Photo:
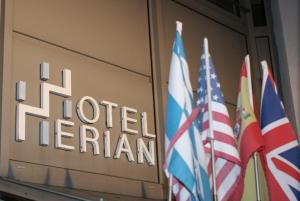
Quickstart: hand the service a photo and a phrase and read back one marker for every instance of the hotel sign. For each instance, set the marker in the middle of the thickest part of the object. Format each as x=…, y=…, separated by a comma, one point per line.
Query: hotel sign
x=89, y=135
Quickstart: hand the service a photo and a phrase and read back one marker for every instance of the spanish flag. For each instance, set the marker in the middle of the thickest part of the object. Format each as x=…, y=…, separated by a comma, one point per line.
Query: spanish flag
x=247, y=128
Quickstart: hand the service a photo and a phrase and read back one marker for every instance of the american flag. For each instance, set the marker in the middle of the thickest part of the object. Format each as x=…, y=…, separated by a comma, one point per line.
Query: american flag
x=227, y=160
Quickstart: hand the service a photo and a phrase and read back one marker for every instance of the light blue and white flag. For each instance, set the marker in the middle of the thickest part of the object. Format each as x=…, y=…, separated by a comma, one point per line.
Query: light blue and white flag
x=185, y=158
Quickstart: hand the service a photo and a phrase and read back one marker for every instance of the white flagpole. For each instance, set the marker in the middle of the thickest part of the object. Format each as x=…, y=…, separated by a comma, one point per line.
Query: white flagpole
x=250, y=95
x=179, y=29
x=210, y=119
x=170, y=188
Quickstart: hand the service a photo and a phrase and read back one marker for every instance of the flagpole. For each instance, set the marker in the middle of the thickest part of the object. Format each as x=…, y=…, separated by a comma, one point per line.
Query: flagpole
x=210, y=120
x=249, y=90
x=170, y=188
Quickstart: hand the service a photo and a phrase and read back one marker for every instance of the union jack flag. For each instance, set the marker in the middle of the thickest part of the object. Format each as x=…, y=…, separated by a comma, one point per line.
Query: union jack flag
x=227, y=163
x=282, y=152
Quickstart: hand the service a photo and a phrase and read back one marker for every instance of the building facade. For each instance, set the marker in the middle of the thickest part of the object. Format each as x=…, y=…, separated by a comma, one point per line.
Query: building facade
x=84, y=86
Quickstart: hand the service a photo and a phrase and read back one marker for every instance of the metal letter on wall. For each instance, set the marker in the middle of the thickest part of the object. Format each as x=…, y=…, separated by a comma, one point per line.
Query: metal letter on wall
x=124, y=146
x=46, y=89
x=125, y=119
x=95, y=107
x=93, y=140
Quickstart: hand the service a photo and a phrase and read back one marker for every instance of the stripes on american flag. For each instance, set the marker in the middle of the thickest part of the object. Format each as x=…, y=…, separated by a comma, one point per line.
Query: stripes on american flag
x=227, y=160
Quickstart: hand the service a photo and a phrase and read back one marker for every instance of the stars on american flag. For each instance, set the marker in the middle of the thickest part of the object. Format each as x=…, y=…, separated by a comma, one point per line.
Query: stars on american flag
x=215, y=97
x=216, y=93
x=213, y=76
x=200, y=89
x=200, y=101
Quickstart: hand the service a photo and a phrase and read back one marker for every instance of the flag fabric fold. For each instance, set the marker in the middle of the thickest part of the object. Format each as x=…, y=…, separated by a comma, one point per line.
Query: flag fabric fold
x=184, y=160
x=282, y=153
x=247, y=130
x=227, y=160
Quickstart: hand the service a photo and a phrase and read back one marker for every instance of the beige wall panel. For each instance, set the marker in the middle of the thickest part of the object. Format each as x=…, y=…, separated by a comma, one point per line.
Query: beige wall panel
x=54, y=176
x=89, y=78
x=113, y=31
x=227, y=46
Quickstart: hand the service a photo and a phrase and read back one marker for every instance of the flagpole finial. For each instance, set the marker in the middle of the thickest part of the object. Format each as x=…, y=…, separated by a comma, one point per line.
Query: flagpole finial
x=205, y=46
x=247, y=60
x=264, y=65
x=205, y=40
x=247, y=56
x=179, y=27
x=249, y=80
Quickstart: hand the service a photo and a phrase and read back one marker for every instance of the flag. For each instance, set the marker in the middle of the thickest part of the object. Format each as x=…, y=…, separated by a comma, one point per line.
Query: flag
x=227, y=160
x=184, y=157
x=247, y=129
x=282, y=152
